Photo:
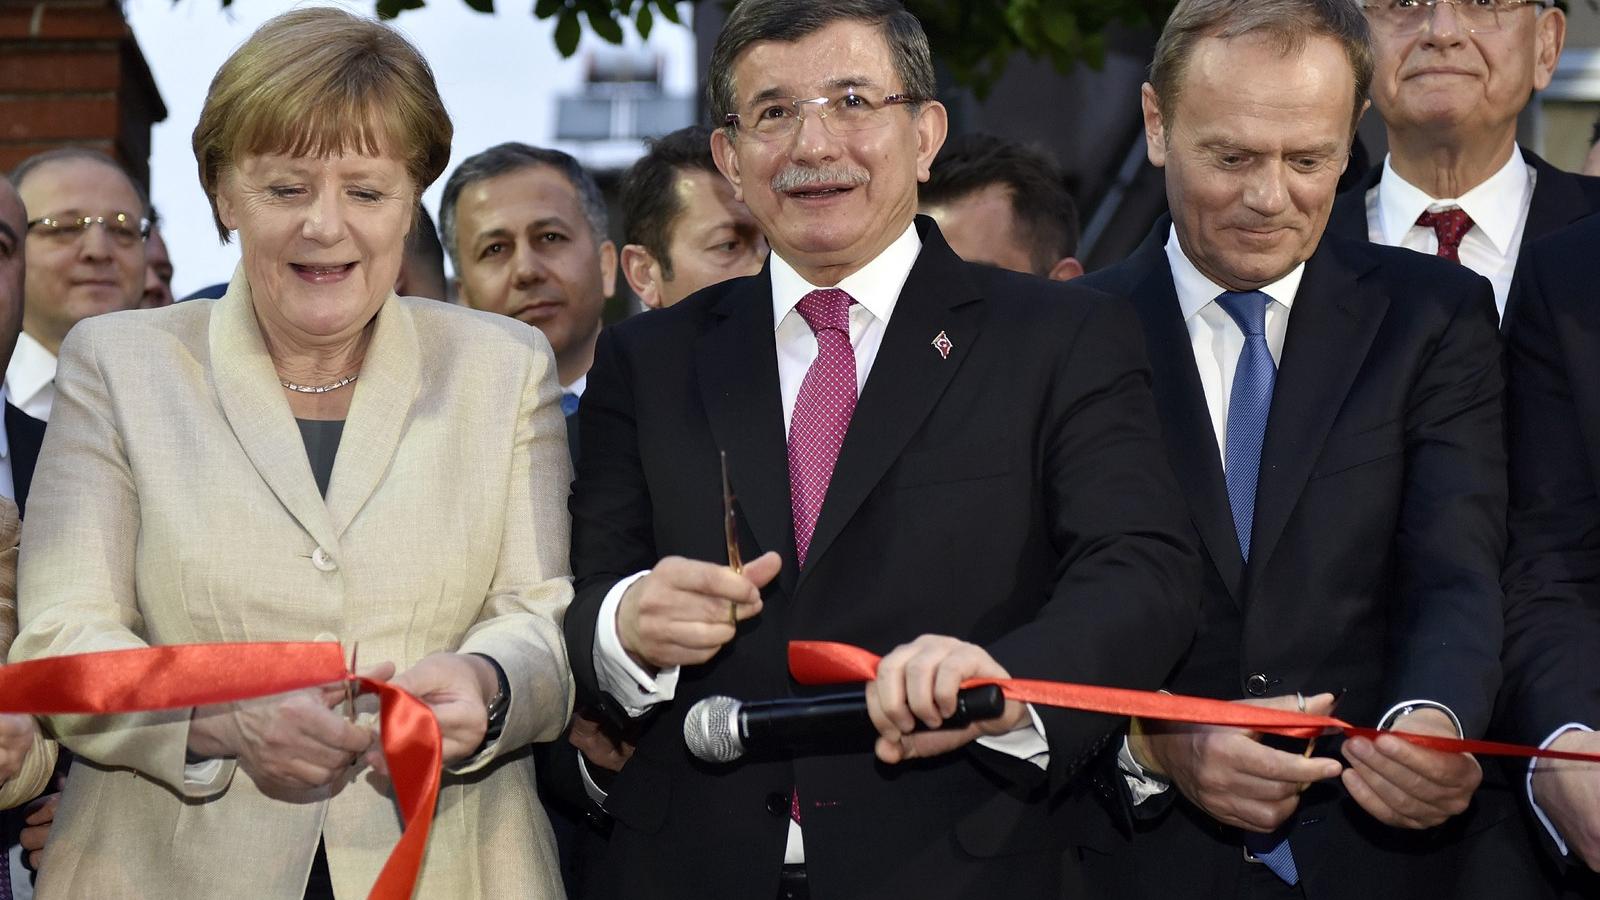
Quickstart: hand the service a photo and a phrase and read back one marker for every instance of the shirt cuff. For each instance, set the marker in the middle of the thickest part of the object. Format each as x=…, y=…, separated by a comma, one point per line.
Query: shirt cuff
x=618, y=675
x=595, y=792
x=1026, y=741
x=1544, y=820
x=1141, y=784
x=1408, y=706
x=206, y=771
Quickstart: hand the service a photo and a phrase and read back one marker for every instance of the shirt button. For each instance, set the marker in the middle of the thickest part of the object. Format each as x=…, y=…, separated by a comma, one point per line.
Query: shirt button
x=778, y=804
x=323, y=562
x=1256, y=685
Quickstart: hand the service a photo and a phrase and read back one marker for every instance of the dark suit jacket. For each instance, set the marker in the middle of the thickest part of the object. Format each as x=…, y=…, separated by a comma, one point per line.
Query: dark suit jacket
x=1552, y=578
x=24, y=434
x=1559, y=199
x=1013, y=494
x=1376, y=546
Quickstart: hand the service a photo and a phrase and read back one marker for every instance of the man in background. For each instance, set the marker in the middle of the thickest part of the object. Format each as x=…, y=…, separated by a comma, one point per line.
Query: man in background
x=157, y=269
x=682, y=228
x=422, y=266
x=1004, y=204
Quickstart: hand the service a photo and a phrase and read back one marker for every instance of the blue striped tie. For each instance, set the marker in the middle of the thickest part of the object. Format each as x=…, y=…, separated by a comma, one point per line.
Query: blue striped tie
x=1248, y=406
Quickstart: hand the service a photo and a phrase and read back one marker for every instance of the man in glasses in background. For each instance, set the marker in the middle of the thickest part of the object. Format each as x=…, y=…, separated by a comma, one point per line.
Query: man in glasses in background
x=86, y=256
x=1452, y=77
x=952, y=465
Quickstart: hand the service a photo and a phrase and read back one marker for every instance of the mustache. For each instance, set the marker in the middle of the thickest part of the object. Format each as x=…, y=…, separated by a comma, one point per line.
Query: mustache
x=795, y=178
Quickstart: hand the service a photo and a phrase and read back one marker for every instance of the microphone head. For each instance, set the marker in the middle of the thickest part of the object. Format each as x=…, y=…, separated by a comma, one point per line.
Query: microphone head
x=711, y=730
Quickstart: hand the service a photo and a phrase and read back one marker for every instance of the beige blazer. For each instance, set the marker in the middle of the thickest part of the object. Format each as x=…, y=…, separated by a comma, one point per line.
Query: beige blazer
x=174, y=504
x=31, y=779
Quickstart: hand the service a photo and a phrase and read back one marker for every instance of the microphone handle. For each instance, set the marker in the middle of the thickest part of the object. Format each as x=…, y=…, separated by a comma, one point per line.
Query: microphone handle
x=839, y=721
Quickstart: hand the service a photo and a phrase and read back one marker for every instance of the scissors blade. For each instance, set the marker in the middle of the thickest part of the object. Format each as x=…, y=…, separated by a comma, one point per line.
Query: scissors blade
x=730, y=522
x=350, y=685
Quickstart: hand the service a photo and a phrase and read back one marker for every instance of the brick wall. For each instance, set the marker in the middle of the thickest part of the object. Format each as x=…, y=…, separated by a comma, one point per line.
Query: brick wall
x=71, y=73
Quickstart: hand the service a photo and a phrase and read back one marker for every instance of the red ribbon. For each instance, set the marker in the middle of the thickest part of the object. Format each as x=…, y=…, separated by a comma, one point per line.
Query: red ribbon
x=826, y=662
x=176, y=677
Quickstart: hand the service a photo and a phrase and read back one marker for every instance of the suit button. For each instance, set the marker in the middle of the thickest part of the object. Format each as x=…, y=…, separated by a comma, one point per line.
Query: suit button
x=778, y=805
x=323, y=561
x=1256, y=685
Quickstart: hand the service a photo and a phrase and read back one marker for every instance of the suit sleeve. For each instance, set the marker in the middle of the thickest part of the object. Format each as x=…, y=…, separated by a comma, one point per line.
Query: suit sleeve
x=1450, y=537
x=76, y=582
x=1552, y=575
x=1125, y=604
x=520, y=624
x=611, y=512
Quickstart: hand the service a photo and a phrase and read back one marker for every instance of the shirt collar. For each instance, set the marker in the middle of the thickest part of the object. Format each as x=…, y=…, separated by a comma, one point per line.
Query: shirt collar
x=577, y=386
x=1400, y=202
x=32, y=369
x=876, y=286
x=1196, y=290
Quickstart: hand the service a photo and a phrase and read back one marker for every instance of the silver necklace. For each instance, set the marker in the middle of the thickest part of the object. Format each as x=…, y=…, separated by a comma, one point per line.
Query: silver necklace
x=319, y=388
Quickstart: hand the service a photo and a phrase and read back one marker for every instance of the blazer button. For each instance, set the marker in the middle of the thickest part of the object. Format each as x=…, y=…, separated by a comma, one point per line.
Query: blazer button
x=1256, y=685
x=778, y=805
x=323, y=562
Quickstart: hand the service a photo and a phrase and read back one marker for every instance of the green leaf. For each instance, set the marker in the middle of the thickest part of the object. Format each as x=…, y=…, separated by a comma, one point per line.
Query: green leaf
x=606, y=26
x=544, y=9
x=669, y=11
x=568, y=31
x=483, y=6
x=645, y=20
x=388, y=9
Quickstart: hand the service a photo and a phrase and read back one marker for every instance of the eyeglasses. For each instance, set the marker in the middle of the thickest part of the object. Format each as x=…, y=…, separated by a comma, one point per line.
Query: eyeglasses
x=776, y=118
x=1407, y=17
x=122, y=228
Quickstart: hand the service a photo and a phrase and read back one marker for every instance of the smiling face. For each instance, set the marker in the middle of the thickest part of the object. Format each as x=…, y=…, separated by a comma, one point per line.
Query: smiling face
x=1253, y=154
x=321, y=239
x=829, y=203
x=1446, y=80
x=71, y=278
x=526, y=251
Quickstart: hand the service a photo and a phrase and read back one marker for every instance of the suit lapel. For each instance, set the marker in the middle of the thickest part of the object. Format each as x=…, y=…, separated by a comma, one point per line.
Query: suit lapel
x=378, y=413
x=737, y=365
x=1349, y=216
x=1331, y=327
x=906, y=381
x=1185, y=416
x=1558, y=200
x=247, y=387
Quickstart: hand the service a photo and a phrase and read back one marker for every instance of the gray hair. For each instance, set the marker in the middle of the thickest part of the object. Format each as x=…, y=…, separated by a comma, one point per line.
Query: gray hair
x=1289, y=23
x=512, y=156
x=84, y=154
x=754, y=21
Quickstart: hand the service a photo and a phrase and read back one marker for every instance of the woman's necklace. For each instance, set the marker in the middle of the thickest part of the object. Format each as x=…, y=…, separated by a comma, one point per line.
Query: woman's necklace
x=319, y=388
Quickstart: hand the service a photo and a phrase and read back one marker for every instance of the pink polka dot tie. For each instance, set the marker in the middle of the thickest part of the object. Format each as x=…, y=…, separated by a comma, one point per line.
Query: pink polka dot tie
x=821, y=411
x=1450, y=226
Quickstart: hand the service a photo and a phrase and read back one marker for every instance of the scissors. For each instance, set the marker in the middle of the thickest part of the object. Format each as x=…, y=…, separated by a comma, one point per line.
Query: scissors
x=730, y=533
x=351, y=685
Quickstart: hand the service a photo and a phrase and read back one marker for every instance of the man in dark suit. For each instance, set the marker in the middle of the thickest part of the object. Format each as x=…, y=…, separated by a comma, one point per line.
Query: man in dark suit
x=1333, y=412
x=1450, y=83
x=953, y=466
x=1552, y=578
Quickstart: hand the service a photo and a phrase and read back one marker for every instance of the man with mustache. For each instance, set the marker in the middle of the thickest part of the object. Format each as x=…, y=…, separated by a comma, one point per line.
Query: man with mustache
x=526, y=231
x=1450, y=81
x=1333, y=410
x=889, y=494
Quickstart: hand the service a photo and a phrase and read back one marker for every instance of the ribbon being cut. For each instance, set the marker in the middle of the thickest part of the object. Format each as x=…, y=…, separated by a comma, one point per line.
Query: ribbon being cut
x=177, y=676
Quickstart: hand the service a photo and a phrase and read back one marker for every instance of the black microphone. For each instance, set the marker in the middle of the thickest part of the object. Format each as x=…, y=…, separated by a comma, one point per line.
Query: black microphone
x=722, y=729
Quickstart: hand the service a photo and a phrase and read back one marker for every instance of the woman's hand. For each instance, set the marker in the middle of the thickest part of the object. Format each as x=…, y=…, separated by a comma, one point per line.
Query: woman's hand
x=457, y=687
x=293, y=746
x=16, y=739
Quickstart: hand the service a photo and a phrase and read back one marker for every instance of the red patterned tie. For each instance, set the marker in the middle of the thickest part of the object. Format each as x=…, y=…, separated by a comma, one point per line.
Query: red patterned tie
x=821, y=411
x=1450, y=226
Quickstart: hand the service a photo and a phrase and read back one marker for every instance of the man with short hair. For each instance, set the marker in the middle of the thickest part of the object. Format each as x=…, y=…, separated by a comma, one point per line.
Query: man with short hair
x=1004, y=204
x=1333, y=410
x=422, y=266
x=526, y=230
x=86, y=256
x=681, y=226
x=157, y=269
x=1450, y=81
x=884, y=497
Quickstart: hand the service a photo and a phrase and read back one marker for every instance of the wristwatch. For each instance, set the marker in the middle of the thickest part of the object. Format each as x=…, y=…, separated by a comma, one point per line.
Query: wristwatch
x=498, y=705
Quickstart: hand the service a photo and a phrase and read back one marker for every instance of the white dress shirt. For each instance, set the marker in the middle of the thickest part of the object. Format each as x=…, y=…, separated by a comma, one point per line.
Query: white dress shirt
x=31, y=378
x=1217, y=341
x=1499, y=211
x=876, y=290
x=8, y=484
